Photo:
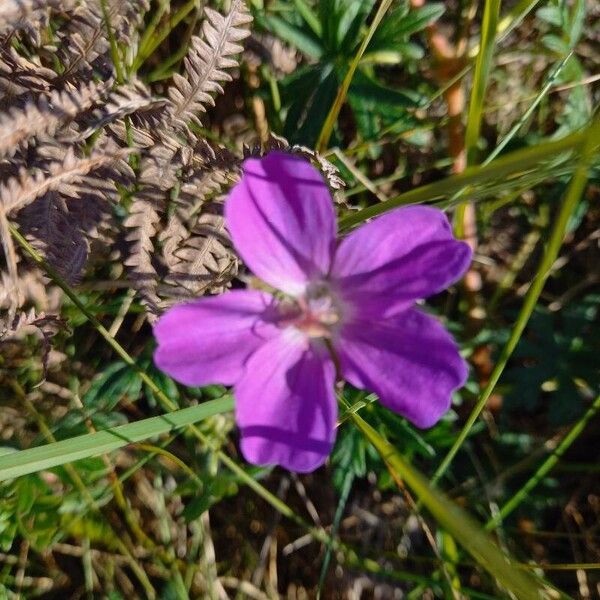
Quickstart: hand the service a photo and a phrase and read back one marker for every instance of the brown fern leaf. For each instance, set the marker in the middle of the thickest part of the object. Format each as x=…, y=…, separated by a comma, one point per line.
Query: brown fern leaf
x=32, y=289
x=61, y=176
x=45, y=116
x=26, y=322
x=19, y=75
x=207, y=61
x=329, y=171
x=50, y=227
x=11, y=263
x=200, y=154
x=142, y=221
x=205, y=260
x=202, y=185
x=20, y=14
x=139, y=138
x=131, y=99
x=85, y=39
x=157, y=177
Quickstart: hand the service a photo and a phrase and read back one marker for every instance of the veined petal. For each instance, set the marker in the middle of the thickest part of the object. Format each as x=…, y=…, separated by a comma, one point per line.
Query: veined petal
x=402, y=256
x=209, y=340
x=281, y=220
x=285, y=404
x=410, y=361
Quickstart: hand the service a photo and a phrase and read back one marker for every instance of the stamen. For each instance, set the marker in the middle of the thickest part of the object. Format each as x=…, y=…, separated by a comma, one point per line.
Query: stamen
x=319, y=311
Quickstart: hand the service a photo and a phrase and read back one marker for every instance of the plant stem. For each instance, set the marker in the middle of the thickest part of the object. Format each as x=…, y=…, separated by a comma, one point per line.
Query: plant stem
x=574, y=192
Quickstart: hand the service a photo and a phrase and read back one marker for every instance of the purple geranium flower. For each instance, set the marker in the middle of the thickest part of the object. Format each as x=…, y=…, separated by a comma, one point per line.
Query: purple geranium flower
x=349, y=304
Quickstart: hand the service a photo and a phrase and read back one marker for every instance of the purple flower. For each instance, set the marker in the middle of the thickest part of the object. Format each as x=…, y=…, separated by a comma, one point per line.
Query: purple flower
x=349, y=303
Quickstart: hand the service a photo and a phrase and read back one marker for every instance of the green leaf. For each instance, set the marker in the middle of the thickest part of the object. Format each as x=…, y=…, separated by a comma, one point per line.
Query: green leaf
x=577, y=21
x=116, y=382
x=401, y=24
x=370, y=90
x=556, y=44
x=91, y=444
x=309, y=16
x=300, y=38
x=306, y=117
x=551, y=15
x=350, y=24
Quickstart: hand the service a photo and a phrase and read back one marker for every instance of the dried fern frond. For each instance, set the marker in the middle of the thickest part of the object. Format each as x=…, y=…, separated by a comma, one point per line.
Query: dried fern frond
x=204, y=259
x=27, y=322
x=85, y=39
x=20, y=14
x=19, y=192
x=19, y=75
x=157, y=176
x=11, y=263
x=45, y=116
x=52, y=230
x=31, y=289
x=142, y=221
x=327, y=168
x=131, y=99
x=207, y=61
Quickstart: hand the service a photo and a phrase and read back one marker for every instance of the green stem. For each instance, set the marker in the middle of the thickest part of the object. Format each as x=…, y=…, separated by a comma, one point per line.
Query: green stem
x=574, y=192
x=156, y=39
x=480, y=78
x=455, y=520
x=114, y=49
x=504, y=167
x=545, y=467
x=332, y=116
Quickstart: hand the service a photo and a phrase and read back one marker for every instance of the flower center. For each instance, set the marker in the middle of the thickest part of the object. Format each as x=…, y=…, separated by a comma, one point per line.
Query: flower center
x=319, y=311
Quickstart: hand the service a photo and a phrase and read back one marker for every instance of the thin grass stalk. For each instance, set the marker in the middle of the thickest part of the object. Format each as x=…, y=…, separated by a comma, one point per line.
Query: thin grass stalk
x=545, y=467
x=483, y=66
x=454, y=520
x=159, y=37
x=508, y=165
x=163, y=6
x=465, y=213
x=574, y=192
x=114, y=48
x=80, y=485
x=540, y=96
x=332, y=116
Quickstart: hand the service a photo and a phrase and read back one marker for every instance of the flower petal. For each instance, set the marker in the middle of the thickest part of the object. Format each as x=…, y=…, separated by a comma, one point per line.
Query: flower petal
x=402, y=256
x=285, y=405
x=209, y=340
x=281, y=220
x=410, y=361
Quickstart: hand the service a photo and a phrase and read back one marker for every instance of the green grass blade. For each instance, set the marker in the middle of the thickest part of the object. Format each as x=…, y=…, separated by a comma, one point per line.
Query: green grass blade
x=36, y=459
x=541, y=95
x=454, y=520
x=506, y=167
x=309, y=16
x=546, y=466
x=574, y=192
x=332, y=116
x=483, y=66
